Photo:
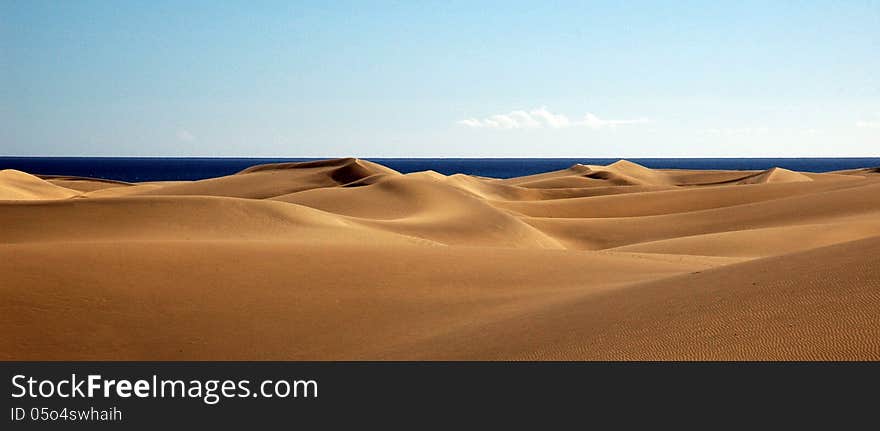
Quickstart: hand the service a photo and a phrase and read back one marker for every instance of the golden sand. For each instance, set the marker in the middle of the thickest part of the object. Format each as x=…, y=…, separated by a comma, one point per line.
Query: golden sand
x=349, y=260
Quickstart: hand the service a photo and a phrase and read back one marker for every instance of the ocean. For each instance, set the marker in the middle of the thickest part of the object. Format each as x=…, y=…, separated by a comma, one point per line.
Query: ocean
x=135, y=169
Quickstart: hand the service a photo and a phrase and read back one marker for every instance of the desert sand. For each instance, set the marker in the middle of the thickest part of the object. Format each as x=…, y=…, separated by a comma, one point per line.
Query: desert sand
x=349, y=260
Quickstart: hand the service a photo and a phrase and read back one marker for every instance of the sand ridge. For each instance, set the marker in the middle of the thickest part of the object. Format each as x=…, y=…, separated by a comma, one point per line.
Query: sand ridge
x=17, y=185
x=348, y=259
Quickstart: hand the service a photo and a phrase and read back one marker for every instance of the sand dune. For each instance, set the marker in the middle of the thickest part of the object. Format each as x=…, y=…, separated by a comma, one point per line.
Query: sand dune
x=775, y=175
x=744, y=311
x=347, y=259
x=426, y=207
x=17, y=185
x=267, y=181
x=621, y=173
x=182, y=217
x=642, y=203
x=82, y=184
x=863, y=171
x=762, y=242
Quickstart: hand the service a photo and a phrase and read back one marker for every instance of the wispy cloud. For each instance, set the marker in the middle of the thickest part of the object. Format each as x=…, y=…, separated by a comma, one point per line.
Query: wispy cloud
x=542, y=118
x=185, y=136
x=873, y=123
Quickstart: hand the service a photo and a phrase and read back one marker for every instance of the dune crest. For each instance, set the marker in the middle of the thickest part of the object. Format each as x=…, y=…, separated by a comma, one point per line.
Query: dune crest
x=775, y=175
x=347, y=259
x=277, y=179
x=17, y=185
x=343, y=170
x=635, y=173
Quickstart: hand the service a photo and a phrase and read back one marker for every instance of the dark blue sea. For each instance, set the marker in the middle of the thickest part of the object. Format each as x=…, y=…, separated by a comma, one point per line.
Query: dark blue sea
x=136, y=169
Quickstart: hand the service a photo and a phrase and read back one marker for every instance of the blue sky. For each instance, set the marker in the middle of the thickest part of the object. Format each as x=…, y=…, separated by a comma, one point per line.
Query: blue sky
x=440, y=79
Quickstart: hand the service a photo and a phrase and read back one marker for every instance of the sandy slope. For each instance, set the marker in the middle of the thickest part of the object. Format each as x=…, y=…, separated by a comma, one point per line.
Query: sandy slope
x=17, y=185
x=815, y=305
x=347, y=259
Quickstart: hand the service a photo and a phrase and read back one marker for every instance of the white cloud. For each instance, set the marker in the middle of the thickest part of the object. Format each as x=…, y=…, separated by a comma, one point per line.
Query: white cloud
x=185, y=136
x=541, y=118
x=872, y=124
x=471, y=123
x=525, y=119
x=552, y=120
